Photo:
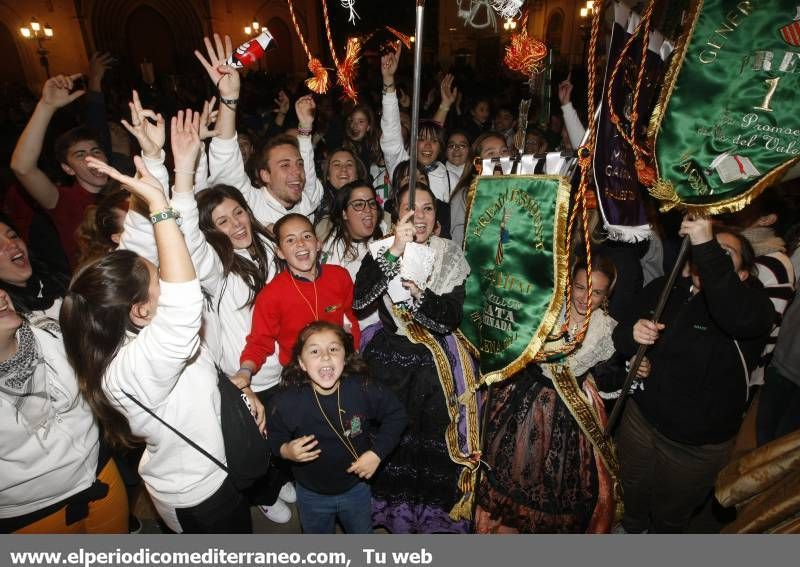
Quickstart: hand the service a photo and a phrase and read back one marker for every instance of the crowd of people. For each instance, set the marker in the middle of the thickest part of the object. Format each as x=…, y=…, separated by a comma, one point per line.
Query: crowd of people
x=217, y=244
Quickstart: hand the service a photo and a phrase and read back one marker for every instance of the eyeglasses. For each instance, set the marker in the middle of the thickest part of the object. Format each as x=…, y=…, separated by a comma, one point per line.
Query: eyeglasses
x=456, y=146
x=361, y=204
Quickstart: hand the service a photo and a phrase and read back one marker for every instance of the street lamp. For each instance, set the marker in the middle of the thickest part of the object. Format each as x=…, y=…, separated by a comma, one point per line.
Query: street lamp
x=252, y=29
x=35, y=31
x=509, y=25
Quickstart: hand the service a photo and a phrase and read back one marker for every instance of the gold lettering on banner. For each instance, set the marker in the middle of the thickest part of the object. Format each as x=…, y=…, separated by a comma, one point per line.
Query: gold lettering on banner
x=693, y=175
x=717, y=40
x=772, y=86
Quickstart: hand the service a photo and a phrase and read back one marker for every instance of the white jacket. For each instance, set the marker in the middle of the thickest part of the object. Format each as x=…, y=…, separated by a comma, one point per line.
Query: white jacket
x=165, y=368
x=443, y=182
x=225, y=166
x=60, y=458
x=227, y=321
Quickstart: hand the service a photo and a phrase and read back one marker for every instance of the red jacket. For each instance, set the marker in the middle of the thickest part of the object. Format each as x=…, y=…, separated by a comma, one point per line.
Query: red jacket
x=287, y=304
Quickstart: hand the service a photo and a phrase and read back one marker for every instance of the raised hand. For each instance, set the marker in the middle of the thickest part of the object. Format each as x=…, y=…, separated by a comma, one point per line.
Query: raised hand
x=207, y=118
x=389, y=63
x=565, y=90
x=403, y=234
x=225, y=77
x=448, y=91
x=56, y=90
x=145, y=186
x=185, y=140
x=147, y=127
x=305, y=107
x=99, y=63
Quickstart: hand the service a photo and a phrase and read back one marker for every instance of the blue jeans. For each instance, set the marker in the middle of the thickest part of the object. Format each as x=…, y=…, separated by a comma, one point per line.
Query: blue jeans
x=318, y=512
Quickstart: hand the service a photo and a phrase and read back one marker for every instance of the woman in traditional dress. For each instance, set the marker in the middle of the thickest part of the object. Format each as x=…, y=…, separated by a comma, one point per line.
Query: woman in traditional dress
x=549, y=467
x=425, y=484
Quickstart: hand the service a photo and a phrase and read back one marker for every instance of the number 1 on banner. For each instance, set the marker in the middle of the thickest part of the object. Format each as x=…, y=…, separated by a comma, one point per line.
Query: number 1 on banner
x=773, y=86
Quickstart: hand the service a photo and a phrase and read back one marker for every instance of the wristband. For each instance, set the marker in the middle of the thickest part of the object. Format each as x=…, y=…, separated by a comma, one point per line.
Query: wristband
x=387, y=87
x=250, y=372
x=183, y=171
x=304, y=131
x=228, y=101
x=443, y=107
x=391, y=257
x=166, y=214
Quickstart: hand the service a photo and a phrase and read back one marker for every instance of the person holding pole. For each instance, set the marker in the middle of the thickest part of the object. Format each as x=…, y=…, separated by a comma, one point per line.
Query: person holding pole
x=676, y=432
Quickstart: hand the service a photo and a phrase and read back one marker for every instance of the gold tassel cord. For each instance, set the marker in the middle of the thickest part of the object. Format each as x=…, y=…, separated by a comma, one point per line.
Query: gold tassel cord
x=320, y=82
x=645, y=172
x=585, y=158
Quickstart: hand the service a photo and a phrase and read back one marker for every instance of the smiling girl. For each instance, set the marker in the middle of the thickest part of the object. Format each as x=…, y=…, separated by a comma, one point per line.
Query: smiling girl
x=305, y=291
x=323, y=421
x=417, y=356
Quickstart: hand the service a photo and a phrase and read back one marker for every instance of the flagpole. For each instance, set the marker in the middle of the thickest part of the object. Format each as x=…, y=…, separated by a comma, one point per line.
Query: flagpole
x=637, y=360
x=412, y=146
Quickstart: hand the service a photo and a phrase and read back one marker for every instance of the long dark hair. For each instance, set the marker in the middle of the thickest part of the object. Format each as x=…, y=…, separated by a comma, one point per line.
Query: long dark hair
x=95, y=316
x=339, y=232
x=254, y=272
x=368, y=149
x=354, y=365
x=42, y=289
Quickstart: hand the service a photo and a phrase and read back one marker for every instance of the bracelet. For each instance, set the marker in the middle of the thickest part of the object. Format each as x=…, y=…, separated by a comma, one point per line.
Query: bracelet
x=184, y=171
x=166, y=214
x=390, y=257
x=229, y=101
x=304, y=131
x=443, y=107
x=387, y=87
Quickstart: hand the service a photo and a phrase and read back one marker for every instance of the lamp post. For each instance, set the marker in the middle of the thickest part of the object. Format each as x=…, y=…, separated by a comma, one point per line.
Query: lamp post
x=35, y=31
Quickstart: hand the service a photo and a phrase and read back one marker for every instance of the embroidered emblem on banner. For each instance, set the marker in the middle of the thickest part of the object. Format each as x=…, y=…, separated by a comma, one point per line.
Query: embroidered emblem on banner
x=791, y=32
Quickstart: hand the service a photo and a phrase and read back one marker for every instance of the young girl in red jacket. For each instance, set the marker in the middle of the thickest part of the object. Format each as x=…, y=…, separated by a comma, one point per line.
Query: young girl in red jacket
x=303, y=292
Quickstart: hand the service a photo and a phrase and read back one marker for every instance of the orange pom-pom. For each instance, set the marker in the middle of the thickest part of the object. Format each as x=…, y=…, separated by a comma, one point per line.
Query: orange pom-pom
x=525, y=54
x=346, y=72
x=320, y=82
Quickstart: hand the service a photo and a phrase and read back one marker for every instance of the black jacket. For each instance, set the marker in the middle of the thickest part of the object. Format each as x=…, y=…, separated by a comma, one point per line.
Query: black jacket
x=372, y=415
x=697, y=389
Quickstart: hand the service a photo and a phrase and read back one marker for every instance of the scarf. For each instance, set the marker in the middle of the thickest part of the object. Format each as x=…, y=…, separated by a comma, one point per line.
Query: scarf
x=764, y=240
x=23, y=381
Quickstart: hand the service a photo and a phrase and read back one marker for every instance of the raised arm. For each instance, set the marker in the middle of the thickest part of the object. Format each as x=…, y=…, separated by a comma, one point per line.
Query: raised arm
x=24, y=161
x=149, y=129
x=225, y=163
x=186, y=144
x=394, y=150
x=305, y=108
x=449, y=95
x=96, y=115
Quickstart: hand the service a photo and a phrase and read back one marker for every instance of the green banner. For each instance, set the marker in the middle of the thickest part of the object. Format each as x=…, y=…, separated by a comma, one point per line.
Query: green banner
x=515, y=243
x=727, y=125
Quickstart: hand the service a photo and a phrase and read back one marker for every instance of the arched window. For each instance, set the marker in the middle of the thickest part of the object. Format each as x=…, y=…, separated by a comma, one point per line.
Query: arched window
x=555, y=31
